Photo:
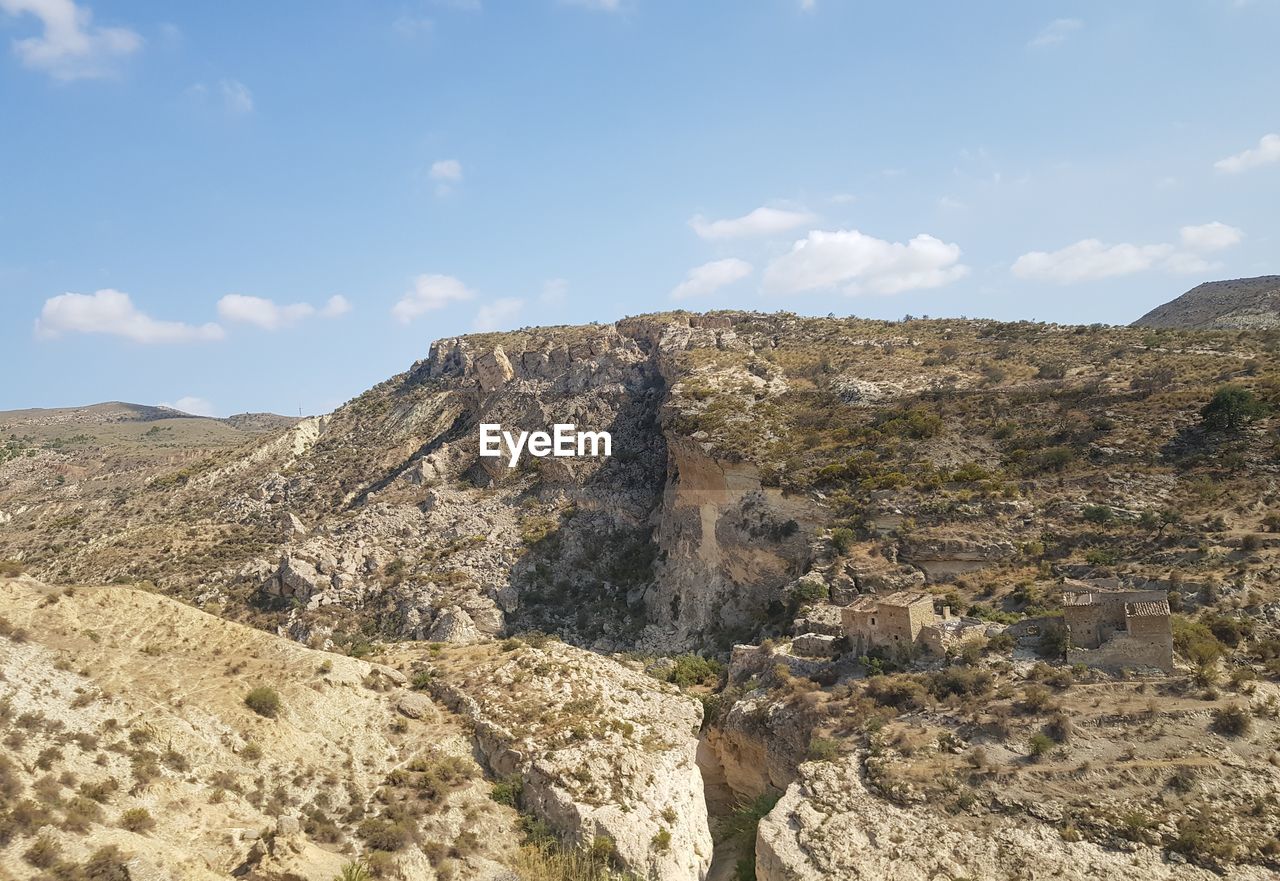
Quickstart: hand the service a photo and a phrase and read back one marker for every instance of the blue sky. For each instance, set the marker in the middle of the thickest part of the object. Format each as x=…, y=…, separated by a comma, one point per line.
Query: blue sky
x=272, y=206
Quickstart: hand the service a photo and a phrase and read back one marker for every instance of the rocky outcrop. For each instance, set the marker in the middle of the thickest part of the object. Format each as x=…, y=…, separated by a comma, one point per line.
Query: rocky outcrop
x=945, y=556
x=828, y=825
x=603, y=753
x=731, y=546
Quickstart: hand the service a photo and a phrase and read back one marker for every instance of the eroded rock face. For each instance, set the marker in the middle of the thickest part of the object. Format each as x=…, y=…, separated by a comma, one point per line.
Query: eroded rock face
x=493, y=370
x=602, y=751
x=731, y=547
x=942, y=556
x=828, y=825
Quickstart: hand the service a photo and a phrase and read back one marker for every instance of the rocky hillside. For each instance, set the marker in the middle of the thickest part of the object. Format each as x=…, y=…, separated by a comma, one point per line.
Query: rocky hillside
x=145, y=737
x=1237, y=304
x=766, y=471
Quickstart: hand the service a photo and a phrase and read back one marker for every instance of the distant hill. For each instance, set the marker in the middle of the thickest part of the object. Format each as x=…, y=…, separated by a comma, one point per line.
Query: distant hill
x=261, y=422
x=118, y=413
x=1237, y=304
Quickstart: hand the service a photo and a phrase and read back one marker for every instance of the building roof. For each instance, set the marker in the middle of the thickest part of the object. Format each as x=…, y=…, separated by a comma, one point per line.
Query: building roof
x=1150, y=609
x=1115, y=598
x=869, y=602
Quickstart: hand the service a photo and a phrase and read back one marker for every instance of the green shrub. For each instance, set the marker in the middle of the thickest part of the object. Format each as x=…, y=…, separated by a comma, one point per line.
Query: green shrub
x=264, y=701
x=901, y=692
x=383, y=834
x=692, y=669
x=507, y=791
x=1039, y=745
x=353, y=872
x=1099, y=514
x=661, y=841
x=960, y=681
x=1231, y=408
x=823, y=749
x=1232, y=721
x=807, y=592
x=137, y=820
x=1195, y=641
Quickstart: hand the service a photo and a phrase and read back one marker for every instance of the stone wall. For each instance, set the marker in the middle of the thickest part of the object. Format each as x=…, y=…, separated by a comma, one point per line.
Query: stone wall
x=1126, y=652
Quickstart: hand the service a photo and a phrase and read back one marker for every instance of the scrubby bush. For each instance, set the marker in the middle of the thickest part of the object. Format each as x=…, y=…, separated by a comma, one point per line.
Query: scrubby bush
x=137, y=820
x=823, y=749
x=842, y=539
x=1232, y=721
x=43, y=853
x=1231, y=408
x=508, y=790
x=693, y=669
x=264, y=701
x=1039, y=745
x=382, y=834
x=961, y=681
x=353, y=872
x=901, y=692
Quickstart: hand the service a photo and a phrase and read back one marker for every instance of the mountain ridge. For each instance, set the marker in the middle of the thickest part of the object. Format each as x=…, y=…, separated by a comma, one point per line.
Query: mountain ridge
x=1231, y=304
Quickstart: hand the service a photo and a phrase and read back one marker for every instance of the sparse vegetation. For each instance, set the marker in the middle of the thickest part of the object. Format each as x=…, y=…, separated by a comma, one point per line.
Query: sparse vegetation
x=264, y=701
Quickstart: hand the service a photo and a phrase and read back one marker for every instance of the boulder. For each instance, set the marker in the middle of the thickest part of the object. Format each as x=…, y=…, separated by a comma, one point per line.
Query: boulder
x=493, y=370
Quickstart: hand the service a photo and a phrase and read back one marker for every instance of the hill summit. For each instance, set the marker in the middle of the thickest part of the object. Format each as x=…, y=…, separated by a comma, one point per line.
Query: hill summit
x=1235, y=304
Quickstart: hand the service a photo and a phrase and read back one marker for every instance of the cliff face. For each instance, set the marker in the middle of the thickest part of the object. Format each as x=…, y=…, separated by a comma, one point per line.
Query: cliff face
x=384, y=514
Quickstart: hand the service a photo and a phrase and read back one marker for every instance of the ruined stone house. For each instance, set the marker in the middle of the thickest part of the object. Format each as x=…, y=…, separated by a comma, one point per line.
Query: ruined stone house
x=904, y=621
x=1118, y=629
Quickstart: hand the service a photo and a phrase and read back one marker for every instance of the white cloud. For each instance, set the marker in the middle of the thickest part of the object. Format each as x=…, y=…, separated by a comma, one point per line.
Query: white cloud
x=1089, y=260
x=1267, y=152
x=447, y=170
x=335, y=306
x=498, y=315
x=261, y=312
x=112, y=312
x=430, y=292
x=236, y=96
x=1056, y=31
x=860, y=263
x=270, y=315
x=760, y=222
x=597, y=5
x=1210, y=236
x=232, y=95
x=71, y=47
x=194, y=406
x=1093, y=260
x=413, y=26
x=710, y=277
x=808, y=5
x=555, y=291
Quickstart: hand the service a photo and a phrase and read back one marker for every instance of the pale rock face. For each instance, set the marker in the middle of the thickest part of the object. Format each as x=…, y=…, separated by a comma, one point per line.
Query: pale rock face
x=630, y=773
x=300, y=579
x=828, y=825
x=493, y=370
x=731, y=545
x=453, y=625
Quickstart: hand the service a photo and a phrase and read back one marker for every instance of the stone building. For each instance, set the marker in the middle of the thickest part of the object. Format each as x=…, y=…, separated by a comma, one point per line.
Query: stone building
x=902, y=622
x=1118, y=629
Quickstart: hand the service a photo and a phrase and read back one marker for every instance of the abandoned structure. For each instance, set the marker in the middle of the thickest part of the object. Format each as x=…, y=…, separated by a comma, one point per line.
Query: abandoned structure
x=1118, y=629
x=904, y=621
